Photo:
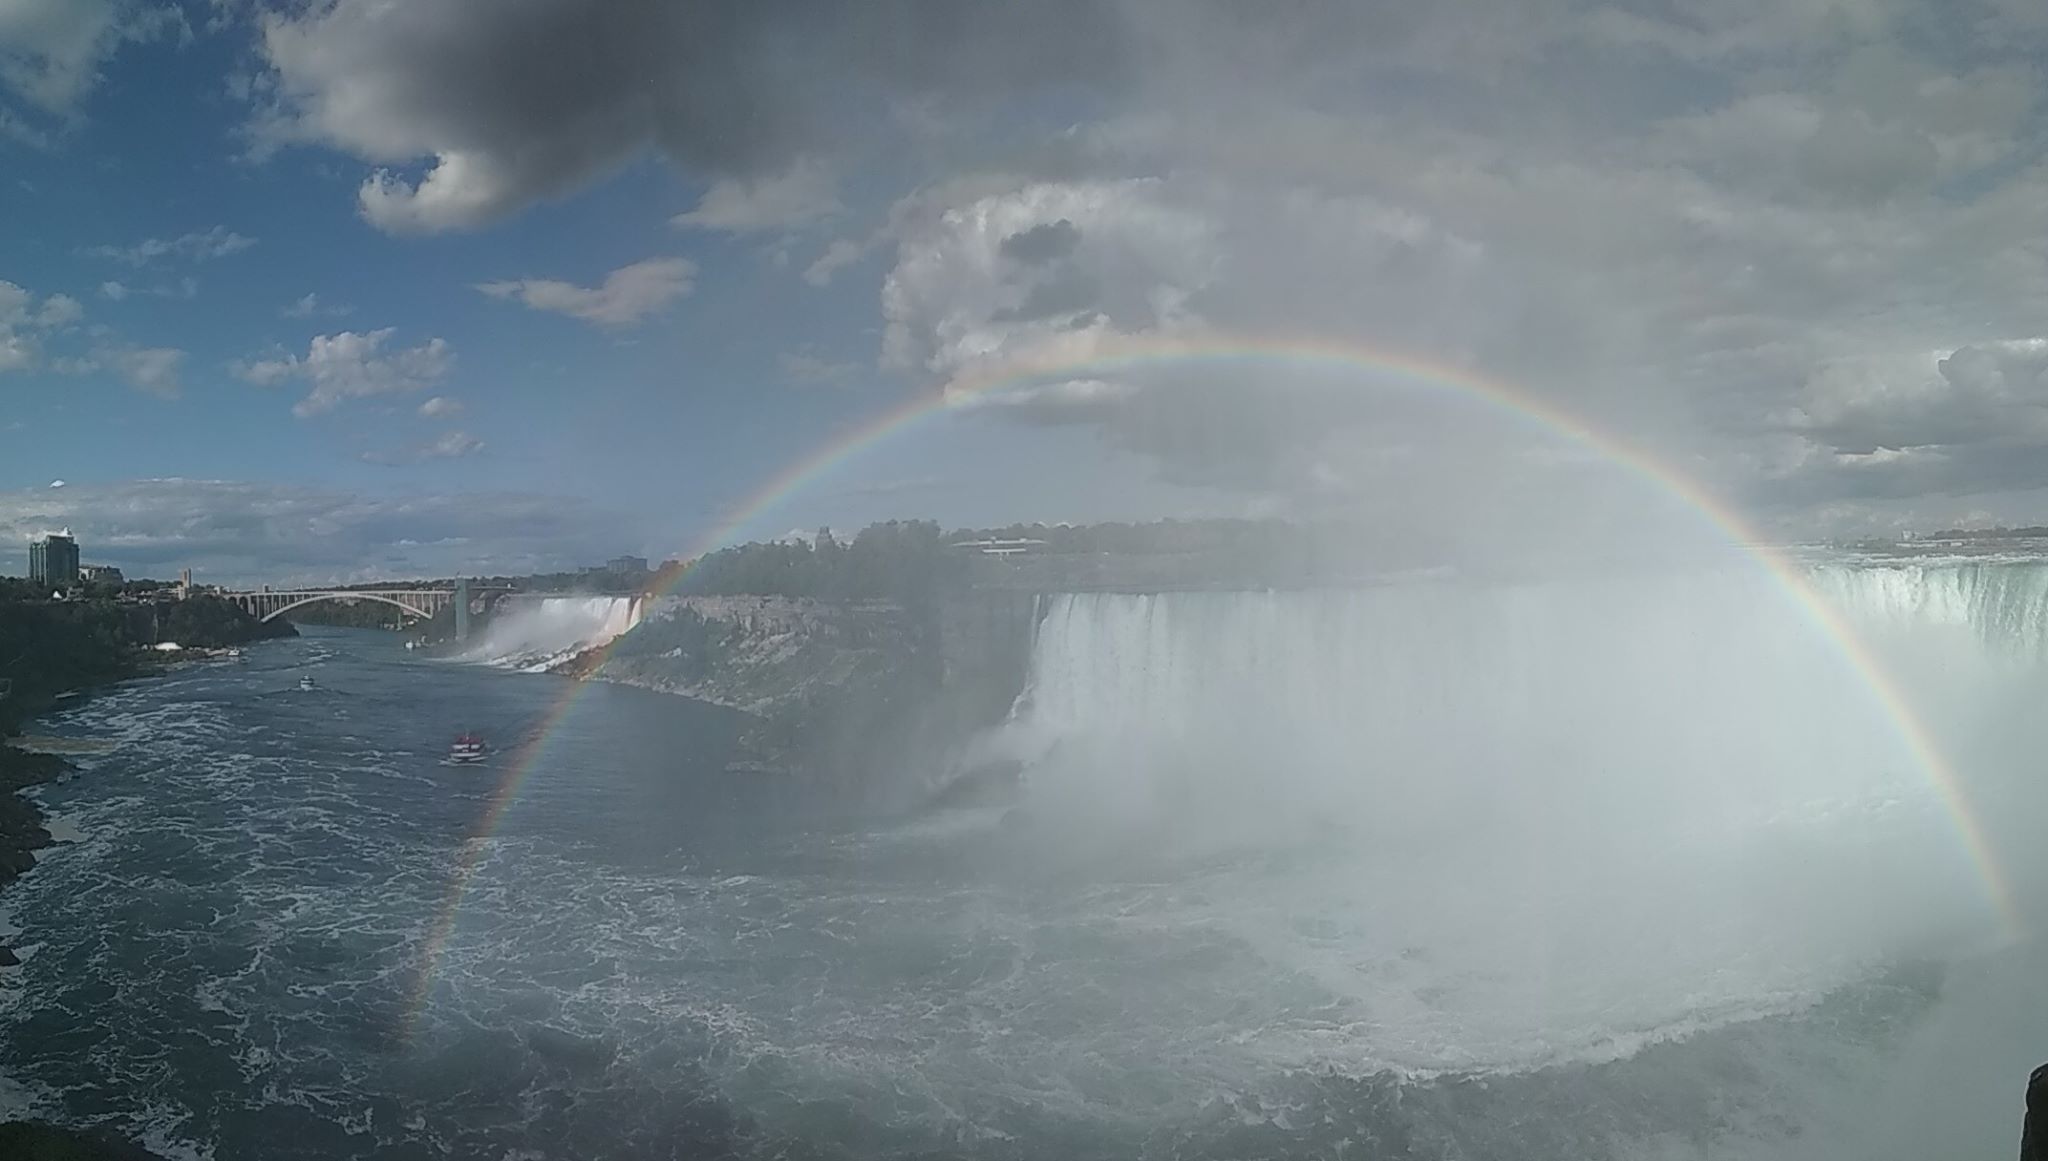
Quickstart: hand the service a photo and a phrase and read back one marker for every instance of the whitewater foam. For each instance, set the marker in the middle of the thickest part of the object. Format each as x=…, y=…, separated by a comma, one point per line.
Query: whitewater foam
x=1611, y=812
x=535, y=635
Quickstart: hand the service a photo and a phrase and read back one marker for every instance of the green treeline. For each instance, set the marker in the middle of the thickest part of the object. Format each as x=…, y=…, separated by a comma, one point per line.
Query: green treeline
x=48, y=647
x=208, y=622
x=907, y=561
x=903, y=560
x=910, y=561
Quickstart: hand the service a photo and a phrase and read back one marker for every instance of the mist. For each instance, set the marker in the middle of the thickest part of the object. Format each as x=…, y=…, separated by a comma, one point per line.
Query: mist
x=1514, y=819
x=534, y=634
x=1590, y=792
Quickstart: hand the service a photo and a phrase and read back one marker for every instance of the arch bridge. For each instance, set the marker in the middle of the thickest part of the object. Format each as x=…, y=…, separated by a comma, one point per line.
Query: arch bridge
x=270, y=604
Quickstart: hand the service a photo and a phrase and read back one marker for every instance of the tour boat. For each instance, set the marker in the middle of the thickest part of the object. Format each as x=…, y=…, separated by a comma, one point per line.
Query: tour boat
x=467, y=749
x=305, y=683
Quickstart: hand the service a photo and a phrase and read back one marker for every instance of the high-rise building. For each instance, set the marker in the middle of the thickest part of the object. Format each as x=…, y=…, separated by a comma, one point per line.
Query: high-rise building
x=626, y=564
x=104, y=574
x=53, y=560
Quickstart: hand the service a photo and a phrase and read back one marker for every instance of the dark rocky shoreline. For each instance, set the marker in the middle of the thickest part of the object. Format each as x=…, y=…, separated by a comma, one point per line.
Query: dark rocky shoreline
x=29, y=1141
x=21, y=822
x=22, y=833
x=64, y=647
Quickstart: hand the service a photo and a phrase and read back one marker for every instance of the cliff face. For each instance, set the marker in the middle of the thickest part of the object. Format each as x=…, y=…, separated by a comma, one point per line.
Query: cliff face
x=856, y=691
x=760, y=655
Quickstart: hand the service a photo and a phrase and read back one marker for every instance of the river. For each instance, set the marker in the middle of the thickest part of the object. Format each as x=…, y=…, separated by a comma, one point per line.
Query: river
x=287, y=930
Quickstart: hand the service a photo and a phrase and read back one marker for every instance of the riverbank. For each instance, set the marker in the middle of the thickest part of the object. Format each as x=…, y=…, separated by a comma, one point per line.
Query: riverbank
x=28, y=1141
x=24, y=830
x=58, y=651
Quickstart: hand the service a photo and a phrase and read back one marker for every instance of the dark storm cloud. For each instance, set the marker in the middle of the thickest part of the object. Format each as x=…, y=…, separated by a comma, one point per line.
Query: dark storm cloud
x=510, y=101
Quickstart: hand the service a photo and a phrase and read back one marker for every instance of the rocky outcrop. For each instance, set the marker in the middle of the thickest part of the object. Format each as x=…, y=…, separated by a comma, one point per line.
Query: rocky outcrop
x=28, y=1141
x=21, y=823
x=853, y=689
x=2034, y=1130
x=760, y=655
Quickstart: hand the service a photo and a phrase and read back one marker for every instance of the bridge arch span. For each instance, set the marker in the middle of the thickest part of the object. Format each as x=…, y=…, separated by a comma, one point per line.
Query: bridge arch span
x=316, y=598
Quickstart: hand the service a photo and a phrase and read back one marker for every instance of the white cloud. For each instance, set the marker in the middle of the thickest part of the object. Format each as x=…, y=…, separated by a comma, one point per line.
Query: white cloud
x=627, y=296
x=956, y=302
x=183, y=289
x=800, y=196
x=351, y=365
x=51, y=50
x=152, y=370
x=198, y=246
x=441, y=406
x=453, y=445
x=59, y=310
x=24, y=324
x=246, y=533
x=461, y=190
x=840, y=253
x=311, y=306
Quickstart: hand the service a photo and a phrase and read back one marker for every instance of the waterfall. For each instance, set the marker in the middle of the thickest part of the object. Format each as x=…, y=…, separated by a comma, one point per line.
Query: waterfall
x=1637, y=798
x=536, y=634
x=2003, y=605
x=1715, y=693
x=1684, y=702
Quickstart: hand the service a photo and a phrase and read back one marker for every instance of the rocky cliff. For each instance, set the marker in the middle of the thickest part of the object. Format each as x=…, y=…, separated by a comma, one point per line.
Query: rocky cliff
x=864, y=692
x=27, y=1141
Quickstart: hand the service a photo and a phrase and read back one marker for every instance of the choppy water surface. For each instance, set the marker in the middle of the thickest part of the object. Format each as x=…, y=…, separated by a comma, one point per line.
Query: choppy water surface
x=657, y=958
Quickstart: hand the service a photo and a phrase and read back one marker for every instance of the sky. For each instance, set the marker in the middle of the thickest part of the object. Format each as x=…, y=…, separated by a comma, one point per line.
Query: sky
x=332, y=290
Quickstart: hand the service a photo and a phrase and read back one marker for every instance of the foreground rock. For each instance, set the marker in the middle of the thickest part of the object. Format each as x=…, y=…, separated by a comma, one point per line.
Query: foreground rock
x=21, y=823
x=854, y=690
x=2034, y=1132
x=28, y=1141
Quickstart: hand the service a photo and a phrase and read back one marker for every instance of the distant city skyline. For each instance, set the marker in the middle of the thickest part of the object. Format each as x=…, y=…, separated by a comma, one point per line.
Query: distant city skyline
x=53, y=559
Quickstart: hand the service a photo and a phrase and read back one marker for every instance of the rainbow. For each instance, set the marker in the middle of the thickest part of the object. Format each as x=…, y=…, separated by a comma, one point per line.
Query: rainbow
x=1092, y=357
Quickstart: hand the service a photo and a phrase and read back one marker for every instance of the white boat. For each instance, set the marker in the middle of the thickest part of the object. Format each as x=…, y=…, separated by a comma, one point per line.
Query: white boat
x=467, y=750
x=305, y=683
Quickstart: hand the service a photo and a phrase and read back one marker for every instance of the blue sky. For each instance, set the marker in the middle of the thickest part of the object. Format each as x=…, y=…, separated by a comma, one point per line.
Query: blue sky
x=195, y=265
x=337, y=288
